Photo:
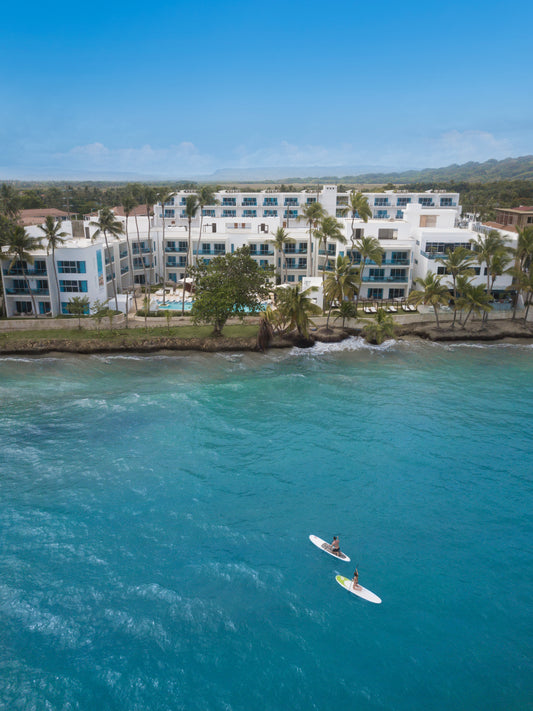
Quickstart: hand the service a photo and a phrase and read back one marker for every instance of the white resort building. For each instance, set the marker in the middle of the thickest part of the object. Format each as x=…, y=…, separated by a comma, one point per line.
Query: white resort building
x=412, y=228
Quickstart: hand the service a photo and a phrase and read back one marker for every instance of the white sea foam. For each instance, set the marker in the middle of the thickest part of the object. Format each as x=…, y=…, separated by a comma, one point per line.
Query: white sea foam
x=354, y=343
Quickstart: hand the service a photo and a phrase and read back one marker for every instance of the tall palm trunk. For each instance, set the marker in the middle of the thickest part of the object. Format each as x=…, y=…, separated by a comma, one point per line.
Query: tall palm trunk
x=186, y=267
x=29, y=289
x=112, y=271
x=200, y=231
x=310, y=246
x=57, y=281
x=151, y=259
x=130, y=260
x=145, y=274
x=436, y=310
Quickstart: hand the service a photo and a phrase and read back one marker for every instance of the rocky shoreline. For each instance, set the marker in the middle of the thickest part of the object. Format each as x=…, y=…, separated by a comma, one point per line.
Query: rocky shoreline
x=495, y=330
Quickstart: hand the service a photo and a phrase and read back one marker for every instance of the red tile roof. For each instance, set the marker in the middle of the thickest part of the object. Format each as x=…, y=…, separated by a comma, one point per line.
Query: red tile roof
x=498, y=226
x=36, y=216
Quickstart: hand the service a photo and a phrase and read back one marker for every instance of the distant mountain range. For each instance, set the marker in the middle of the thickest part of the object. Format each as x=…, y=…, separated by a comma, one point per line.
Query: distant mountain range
x=507, y=169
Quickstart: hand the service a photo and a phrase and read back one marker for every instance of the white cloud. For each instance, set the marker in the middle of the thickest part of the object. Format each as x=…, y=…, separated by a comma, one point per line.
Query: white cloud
x=462, y=146
x=175, y=160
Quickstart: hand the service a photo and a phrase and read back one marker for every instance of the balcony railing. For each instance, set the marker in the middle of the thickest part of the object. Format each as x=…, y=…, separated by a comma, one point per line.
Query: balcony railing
x=211, y=252
x=24, y=290
x=28, y=272
x=261, y=254
x=174, y=250
x=386, y=278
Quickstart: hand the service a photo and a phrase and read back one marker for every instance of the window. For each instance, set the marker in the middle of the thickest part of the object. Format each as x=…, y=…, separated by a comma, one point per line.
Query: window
x=399, y=214
x=310, y=200
x=229, y=213
x=291, y=277
x=208, y=213
x=66, y=267
x=291, y=201
x=355, y=256
x=270, y=213
x=247, y=201
x=72, y=286
x=382, y=214
x=270, y=201
x=387, y=234
x=396, y=293
x=446, y=202
x=426, y=202
x=403, y=201
x=292, y=214
x=375, y=293
x=249, y=213
x=290, y=248
x=219, y=248
x=302, y=263
x=291, y=263
x=398, y=274
x=169, y=213
x=381, y=202
x=232, y=202
x=64, y=308
x=376, y=274
x=23, y=307
x=441, y=270
x=400, y=257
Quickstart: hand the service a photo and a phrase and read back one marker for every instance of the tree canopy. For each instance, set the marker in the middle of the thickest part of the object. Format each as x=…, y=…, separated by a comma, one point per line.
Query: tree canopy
x=230, y=285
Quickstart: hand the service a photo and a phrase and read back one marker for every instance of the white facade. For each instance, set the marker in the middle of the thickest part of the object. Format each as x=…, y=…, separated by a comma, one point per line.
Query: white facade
x=412, y=229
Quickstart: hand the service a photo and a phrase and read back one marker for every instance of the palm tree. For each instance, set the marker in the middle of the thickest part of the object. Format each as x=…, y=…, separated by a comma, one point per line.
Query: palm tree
x=191, y=208
x=78, y=306
x=340, y=284
x=328, y=228
x=347, y=309
x=457, y=262
x=486, y=248
x=54, y=238
x=128, y=204
x=20, y=247
x=105, y=224
x=370, y=249
x=433, y=293
x=358, y=207
x=205, y=196
x=523, y=261
x=164, y=196
x=380, y=328
x=9, y=202
x=296, y=307
x=312, y=214
x=476, y=300
x=149, y=199
x=281, y=238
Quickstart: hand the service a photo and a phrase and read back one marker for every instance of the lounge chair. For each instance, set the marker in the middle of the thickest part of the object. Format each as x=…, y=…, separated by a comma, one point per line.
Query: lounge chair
x=373, y=310
x=405, y=307
x=392, y=309
x=412, y=307
x=367, y=309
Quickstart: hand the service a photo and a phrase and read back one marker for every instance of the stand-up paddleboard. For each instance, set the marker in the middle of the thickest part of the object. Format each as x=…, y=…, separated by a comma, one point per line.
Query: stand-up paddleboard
x=326, y=547
x=360, y=591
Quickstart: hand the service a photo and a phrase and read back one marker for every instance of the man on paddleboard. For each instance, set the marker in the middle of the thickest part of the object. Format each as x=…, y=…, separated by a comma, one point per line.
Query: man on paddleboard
x=335, y=546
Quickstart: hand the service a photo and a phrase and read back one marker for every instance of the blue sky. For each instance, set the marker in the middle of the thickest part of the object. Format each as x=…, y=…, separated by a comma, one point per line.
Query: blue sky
x=174, y=89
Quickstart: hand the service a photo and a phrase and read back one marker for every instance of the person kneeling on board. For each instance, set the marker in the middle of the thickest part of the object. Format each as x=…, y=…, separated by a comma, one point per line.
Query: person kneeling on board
x=335, y=546
x=355, y=581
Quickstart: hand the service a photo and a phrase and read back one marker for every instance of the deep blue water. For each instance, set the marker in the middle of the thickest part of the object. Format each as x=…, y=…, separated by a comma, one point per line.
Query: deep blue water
x=155, y=513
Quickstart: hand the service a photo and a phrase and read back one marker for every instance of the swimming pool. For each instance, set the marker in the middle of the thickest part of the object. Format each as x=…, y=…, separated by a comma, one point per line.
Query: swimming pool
x=177, y=306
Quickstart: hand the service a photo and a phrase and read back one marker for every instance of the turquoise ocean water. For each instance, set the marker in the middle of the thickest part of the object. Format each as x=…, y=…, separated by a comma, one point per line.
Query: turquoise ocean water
x=155, y=513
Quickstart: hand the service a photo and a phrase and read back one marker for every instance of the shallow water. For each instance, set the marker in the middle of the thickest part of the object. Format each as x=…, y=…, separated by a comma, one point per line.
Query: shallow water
x=155, y=514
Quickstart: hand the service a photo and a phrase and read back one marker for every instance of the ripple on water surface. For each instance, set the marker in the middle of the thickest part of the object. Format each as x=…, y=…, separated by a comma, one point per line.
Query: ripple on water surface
x=155, y=514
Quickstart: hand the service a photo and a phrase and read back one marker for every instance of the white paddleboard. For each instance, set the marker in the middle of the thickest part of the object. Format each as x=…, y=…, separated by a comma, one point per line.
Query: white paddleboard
x=326, y=547
x=360, y=591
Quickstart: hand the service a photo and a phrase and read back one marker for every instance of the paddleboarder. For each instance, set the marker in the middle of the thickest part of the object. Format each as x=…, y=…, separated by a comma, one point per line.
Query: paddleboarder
x=335, y=546
x=355, y=581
